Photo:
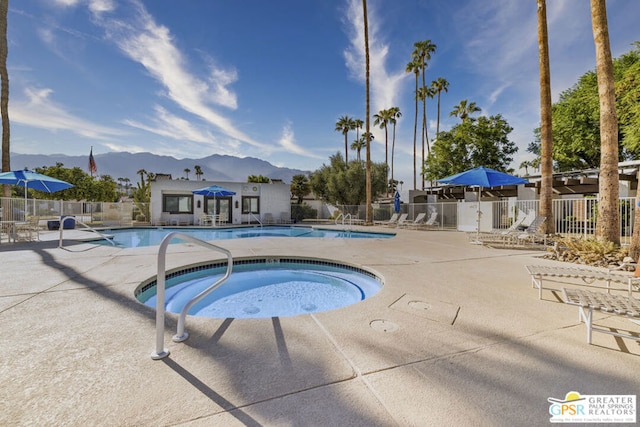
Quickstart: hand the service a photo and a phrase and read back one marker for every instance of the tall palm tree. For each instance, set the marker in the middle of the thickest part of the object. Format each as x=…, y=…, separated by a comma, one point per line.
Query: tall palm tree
x=358, y=123
x=439, y=85
x=414, y=67
x=546, y=149
x=369, y=207
x=382, y=119
x=186, y=171
x=4, y=93
x=423, y=50
x=358, y=145
x=198, y=170
x=344, y=125
x=608, y=222
x=464, y=109
x=423, y=93
x=395, y=115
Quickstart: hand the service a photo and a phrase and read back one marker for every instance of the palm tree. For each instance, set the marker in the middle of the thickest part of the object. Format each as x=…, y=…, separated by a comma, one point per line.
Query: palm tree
x=423, y=50
x=382, y=119
x=395, y=115
x=414, y=67
x=546, y=149
x=525, y=165
x=464, y=109
x=358, y=123
x=344, y=125
x=4, y=93
x=358, y=145
x=369, y=207
x=186, y=171
x=424, y=93
x=198, y=172
x=439, y=85
x=608, y=222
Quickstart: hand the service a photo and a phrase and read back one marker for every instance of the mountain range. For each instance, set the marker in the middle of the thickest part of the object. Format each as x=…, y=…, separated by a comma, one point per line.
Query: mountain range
x=126, y=165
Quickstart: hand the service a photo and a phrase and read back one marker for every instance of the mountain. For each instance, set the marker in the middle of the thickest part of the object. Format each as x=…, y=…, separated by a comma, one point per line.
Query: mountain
x=126, y=165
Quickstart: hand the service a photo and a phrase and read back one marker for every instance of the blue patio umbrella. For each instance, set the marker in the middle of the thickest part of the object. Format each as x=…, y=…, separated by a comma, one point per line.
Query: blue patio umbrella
x=33, y=180
x=482, y=177
x=214, y=191
x=396, y=202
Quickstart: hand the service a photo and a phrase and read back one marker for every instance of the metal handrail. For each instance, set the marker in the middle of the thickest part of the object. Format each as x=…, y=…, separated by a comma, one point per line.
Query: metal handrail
x=63, y=219
x=251, y=214
x=338, y=218
x=181, y=335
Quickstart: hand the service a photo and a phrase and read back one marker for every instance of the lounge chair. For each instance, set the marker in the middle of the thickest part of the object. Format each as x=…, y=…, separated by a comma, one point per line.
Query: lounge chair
x=205, y=219
x=418, y=219
x=390, y=221
x=401, y=220
x=587, y=301
x=497, y=234
x=533, y=234
x=432, y=221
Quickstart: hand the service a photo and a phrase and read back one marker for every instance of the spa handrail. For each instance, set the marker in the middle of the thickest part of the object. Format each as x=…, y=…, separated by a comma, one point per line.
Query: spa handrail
x=181, y=335
x=77, y=221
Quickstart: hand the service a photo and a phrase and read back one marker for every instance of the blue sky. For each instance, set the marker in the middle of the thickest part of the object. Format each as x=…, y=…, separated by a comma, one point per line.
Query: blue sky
x=269, y=79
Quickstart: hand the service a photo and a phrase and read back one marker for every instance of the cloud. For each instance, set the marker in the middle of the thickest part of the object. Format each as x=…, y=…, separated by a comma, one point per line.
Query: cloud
x=152, y=45
x=385, y=85
x=38, y=110
x=288, y=143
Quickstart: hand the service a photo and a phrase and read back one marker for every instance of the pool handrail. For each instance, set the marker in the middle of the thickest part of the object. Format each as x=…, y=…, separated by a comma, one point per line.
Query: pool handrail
x=77, y=221
x=251, y=214
x=181, y=335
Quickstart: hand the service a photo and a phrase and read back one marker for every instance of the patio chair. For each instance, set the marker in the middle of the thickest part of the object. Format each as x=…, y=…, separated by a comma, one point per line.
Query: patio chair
x=498, y=234
x=417, y=220
x=29, y=229
x=267, y=218
x=390, y=221
x=532, y=235
x=402, y=220
x=285, y=218
x=205, y=219
x=431, y=222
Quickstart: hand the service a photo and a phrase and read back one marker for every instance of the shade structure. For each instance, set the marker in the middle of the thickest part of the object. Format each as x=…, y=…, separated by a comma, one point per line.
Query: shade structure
x=33, y=180
x=482, y=177
x=214, y=191
x=396, y=202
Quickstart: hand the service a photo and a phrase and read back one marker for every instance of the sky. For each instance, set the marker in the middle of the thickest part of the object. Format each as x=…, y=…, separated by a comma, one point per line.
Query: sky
x=270, y=79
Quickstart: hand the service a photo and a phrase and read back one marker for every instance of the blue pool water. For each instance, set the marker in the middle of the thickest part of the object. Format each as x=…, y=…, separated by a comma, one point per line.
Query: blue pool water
x=137, y=237
x=266, y=288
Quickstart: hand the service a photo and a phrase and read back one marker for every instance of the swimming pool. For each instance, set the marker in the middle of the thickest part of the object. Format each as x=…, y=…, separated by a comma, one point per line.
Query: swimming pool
x=267, y=287
x=139, y=237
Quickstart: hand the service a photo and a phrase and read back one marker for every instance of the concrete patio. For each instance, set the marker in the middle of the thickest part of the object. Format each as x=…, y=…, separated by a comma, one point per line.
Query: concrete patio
x=456, y=336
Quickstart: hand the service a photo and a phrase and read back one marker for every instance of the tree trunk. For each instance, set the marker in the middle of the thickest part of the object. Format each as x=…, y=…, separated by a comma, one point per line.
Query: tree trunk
x=415, y=139
x=608, y=222
x=4, y=93
x=546, y=155
x=369, y=213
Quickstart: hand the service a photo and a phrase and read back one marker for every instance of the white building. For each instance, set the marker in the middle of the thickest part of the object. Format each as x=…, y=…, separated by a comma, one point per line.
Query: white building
x=173, y=202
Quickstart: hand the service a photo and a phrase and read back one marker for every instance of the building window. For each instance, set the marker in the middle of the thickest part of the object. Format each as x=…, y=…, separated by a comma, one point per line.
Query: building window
x=250, y=204
x=177, y=204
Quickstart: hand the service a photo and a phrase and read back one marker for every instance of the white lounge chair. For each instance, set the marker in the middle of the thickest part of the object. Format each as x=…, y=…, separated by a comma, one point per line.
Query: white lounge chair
x=390, y=221
x=402, y=220
x=432, y=221
x=418, y=219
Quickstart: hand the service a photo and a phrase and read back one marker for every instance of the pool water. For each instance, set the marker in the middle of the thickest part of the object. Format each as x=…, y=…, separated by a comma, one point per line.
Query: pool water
x=263, y=289
x=139, y=237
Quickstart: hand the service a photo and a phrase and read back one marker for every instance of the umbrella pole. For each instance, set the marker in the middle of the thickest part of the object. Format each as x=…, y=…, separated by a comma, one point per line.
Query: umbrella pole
x=477, y=241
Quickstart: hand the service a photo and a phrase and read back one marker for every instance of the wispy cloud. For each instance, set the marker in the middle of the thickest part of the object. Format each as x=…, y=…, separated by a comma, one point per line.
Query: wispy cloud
x=385, y=84
x=38, y=110
x=152, y=45
x=288, y=143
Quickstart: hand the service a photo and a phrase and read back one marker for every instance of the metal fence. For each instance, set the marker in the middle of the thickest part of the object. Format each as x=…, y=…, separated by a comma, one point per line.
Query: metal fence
x=575, y=217
x=96, y=213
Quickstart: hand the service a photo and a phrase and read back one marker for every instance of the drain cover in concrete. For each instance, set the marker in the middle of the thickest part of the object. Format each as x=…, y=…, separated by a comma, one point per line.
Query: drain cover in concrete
x=384, y=325
x=439, y=311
